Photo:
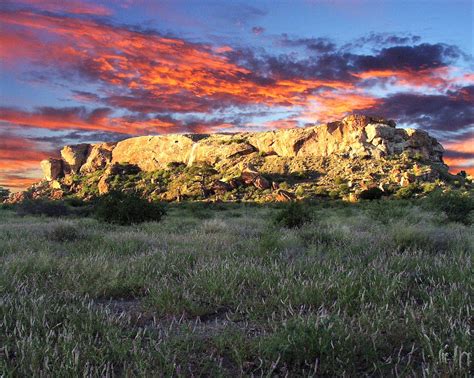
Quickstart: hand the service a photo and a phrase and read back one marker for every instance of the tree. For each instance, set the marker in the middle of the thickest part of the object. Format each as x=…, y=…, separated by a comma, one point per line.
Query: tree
x=4, y=194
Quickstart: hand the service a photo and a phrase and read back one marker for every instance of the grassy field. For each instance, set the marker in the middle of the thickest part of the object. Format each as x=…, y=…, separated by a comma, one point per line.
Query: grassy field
x=380, y=288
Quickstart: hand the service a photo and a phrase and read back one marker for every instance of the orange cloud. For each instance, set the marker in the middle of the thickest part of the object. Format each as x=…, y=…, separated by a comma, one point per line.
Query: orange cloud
x=80, y=119
x=19, y=161
x=465, y=159
x=167, y=70
x=70, y=6
x=18, y=182
x=328, y=106
x=281, y=124
x=432, y=77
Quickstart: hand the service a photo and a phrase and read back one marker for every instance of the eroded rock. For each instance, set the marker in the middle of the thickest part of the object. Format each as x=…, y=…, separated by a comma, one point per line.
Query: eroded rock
x=52, y=168
x=344, y=155
x=74, y=157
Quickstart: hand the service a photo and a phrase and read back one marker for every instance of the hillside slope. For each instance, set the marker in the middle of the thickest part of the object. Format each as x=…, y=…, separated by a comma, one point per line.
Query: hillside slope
x=343, y=159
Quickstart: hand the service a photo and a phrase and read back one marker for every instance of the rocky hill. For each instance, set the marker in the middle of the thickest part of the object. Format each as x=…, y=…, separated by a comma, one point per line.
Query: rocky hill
x=344, y=159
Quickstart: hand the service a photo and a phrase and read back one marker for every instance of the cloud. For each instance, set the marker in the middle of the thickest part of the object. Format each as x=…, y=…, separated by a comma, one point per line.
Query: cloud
x=316, y=45
x=441, y=114
x=146, y=67
x=19, y=161
x=257, y=30
x=149, y=82
x=75, y=7
x=411, y=58
x=459, y=153
x=379, y=40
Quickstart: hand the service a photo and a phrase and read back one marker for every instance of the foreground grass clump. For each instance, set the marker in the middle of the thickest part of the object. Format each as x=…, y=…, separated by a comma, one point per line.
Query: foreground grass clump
x=127, y=209
x=379, y=288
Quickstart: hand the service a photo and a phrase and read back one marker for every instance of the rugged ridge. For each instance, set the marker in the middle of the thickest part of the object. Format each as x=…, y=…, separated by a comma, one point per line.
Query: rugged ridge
x=350, y=155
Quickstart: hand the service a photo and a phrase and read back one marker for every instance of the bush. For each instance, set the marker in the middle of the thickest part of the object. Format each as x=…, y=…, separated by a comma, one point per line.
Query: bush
x=126, y=209
x=334, y=194
x=428, y=187
x=294, y=215
x=371, y=194
x=4, y=194
x=408, y=191
x=299, y=191
x=339, y=180
x=63, y=232
x=320, y=191
x=48, y=208
x=458, y=206
x=75, y=202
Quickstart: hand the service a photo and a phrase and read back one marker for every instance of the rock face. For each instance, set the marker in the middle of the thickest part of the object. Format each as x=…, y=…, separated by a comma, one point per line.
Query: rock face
x=155, y=152
x=360, y=149
x=52, y=168
x=74, y=157
x=100, y=155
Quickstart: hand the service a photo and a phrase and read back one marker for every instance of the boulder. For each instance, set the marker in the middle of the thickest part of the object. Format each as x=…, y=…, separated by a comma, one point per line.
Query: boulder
x=100, y=155
x=261, y=182
x=407, y=178
x=74, y=157
x=250, y=176
x=234, y=183
x=151, y=153
x=218, y=148
x=103, y=185
x=284, y=196
x=358, y=148
x=220, y=187
x=52, y=168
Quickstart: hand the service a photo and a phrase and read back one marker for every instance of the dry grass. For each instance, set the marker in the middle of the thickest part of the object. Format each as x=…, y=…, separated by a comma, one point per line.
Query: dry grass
x=360, y=290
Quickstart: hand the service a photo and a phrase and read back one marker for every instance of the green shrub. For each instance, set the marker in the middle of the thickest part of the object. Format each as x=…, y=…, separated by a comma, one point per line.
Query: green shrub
x=4, y=194
x=408, y=191
x=458, y=206
x=299, y=191
x=339, y=181
x=418, y=156
x=334, y=194
x=320, y=191
x=428, y=187
x=292, y=216
x=42, y=207
x=371, y=194
x=75, y=202
x=126, y=209
x=344, y=189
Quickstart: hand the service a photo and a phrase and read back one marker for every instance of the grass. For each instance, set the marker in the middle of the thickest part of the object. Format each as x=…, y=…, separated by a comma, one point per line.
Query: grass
x=381, y=288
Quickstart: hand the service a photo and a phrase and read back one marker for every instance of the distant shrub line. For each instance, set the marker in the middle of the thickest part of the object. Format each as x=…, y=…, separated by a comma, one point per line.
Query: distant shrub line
x=115, y=207
x=129, y=208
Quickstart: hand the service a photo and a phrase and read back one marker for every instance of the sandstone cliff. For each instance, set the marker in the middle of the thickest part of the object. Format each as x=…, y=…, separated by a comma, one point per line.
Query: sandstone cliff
x=347, y=157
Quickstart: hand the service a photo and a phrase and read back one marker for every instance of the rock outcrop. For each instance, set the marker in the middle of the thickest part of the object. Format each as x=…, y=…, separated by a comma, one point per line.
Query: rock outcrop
x=358, y=150
x=74, y=157
x=52, y=168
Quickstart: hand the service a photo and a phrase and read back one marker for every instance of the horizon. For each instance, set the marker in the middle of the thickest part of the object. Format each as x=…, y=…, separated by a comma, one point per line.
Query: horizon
x=85, y=72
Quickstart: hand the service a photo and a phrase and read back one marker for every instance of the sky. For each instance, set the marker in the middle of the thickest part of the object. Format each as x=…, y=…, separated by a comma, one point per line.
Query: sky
x=82, y=71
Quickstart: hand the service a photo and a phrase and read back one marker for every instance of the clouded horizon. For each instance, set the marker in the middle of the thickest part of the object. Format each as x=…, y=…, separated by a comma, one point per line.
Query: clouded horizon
x=77, y=71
